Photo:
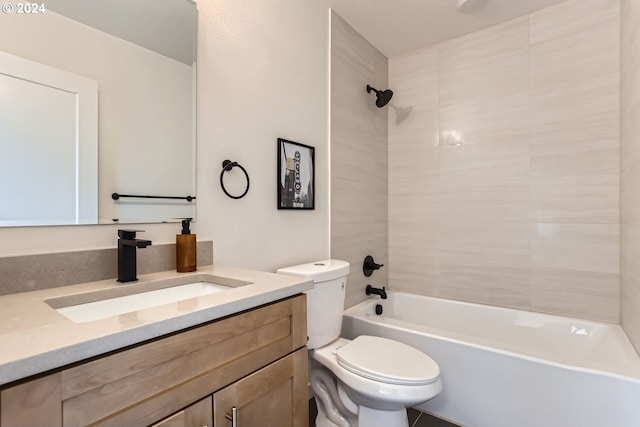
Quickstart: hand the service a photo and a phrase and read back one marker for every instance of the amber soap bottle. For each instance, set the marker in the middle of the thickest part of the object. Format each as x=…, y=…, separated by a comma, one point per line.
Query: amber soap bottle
x=186, y=249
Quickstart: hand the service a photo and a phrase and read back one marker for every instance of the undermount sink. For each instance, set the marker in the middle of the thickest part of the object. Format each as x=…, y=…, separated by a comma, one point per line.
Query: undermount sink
x=90, y=306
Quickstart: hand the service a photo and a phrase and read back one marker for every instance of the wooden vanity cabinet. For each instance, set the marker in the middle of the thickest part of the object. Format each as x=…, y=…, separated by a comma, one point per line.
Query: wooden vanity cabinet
x=197, y=415
x=255, y=361
x=274, y=396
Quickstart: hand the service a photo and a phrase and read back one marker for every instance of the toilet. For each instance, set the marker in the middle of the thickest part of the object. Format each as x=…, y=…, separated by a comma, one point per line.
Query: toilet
x=365, y=382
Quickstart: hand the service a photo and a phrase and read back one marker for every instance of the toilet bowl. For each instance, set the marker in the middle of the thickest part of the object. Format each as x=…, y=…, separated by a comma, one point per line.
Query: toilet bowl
x=376, y=380
x=365, y=382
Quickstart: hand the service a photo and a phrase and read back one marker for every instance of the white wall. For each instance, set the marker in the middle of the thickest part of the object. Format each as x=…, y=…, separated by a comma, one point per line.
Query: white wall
x=262, y=74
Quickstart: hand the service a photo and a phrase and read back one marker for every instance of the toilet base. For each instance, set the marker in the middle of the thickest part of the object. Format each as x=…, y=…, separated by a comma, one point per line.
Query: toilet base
x=371, y=418
x=376, y=418
x=322, y=421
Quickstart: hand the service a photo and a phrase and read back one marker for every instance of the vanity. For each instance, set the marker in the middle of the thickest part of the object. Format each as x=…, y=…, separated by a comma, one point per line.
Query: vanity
x=229, y=358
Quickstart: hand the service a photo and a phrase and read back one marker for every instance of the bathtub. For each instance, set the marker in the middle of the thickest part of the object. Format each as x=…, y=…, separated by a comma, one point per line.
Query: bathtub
x=510, y=368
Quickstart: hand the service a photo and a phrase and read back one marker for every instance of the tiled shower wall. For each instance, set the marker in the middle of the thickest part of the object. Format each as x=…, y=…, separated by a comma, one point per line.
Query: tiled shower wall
x=358, y=157
x=630, y=165
x=504, y=164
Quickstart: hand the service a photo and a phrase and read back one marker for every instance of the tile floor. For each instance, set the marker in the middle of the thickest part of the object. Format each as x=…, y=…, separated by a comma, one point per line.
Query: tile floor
x=416, y=418
x=420, y=419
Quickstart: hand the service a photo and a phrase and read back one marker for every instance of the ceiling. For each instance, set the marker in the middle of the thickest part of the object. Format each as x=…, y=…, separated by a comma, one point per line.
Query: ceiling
x=399, y=26
x=393, y=26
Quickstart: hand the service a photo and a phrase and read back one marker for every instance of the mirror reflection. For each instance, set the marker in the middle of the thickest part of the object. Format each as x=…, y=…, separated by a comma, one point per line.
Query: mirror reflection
x=97, y=97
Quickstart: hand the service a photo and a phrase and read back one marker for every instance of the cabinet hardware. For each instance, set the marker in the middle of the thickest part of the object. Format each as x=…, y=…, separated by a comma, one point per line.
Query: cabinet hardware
x=233, y=417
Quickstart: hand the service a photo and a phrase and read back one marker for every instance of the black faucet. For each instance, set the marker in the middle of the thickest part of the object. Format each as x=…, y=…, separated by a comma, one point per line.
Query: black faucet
x=376, y=291
x=369, y=265
x=127, y=244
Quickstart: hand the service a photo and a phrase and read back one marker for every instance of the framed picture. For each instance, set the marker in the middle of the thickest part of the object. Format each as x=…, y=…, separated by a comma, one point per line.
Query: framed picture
x=296, y=175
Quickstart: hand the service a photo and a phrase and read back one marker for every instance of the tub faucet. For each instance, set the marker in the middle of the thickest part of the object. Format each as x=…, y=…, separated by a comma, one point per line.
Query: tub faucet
x=127, y=263
x=377, y=291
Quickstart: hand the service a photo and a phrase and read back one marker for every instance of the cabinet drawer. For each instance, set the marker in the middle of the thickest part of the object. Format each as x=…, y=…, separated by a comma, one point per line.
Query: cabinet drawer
x=144, y=384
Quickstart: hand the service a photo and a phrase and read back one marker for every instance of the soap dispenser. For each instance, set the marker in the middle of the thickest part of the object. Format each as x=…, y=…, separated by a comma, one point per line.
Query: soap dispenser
x=186, y=249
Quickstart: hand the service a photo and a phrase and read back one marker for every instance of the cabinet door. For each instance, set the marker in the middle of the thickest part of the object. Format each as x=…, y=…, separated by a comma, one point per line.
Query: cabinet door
x=274, y=396
x=34, y=403
x=197, y=415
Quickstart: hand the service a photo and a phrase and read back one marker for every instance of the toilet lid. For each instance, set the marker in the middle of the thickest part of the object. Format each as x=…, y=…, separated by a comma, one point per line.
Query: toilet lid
x=387, y=361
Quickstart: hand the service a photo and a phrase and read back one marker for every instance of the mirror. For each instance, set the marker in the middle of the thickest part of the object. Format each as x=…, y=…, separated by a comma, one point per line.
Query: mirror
x=97, y=97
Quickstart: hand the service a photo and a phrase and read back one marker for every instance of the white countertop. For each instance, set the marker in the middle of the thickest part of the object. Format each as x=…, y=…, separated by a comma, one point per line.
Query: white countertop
x=35, y=338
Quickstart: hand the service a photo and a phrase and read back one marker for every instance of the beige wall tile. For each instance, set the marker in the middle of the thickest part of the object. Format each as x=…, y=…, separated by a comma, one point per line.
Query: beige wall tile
x=359, y=214
x=580, y=247
x=493, y=77
x=412, y=123
x=630, y=177
x=575, y=199
x=522, y=188
x=630, y=196
x=576, y=56
x=476, y=48
x=629, y=308
x=480, y=243
x=575, y=128
x=485, y=262
x=629, y=127
x=413, y=256
x=571, y=17
x=486, y=64
x=412, y=160
x=573, y=41
x=413, y=109
x=500, y=286
x=630, y=84
x=489, y=120
x=630, y=268
x=630, y=289
x=418, y=92
x=630, y=283
x=587, y=295
x=488, y=182
x=409, y=202
x=486, y=199
x=414, y=64
x=506, y=159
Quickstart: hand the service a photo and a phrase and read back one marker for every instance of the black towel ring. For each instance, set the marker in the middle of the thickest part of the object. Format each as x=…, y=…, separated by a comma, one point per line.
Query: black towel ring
x=227, y=165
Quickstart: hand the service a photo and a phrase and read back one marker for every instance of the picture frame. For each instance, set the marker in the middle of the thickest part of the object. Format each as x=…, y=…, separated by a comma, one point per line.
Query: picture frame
x=296, y=175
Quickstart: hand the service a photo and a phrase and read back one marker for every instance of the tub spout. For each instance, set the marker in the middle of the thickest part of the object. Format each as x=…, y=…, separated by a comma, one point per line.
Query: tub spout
x=376, y=291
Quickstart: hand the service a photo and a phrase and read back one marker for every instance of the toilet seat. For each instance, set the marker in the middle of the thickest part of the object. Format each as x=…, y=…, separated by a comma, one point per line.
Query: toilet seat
x=387, y=361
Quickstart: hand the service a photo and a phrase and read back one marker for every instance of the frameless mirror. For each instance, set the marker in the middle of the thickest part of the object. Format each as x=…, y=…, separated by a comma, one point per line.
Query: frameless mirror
x=97, y=97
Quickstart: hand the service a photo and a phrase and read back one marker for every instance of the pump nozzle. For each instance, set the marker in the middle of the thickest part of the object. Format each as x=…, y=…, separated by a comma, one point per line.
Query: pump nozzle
x=185, y=225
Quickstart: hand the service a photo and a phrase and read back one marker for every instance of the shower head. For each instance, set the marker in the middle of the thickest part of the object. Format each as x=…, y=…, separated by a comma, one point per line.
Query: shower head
x=382, y=96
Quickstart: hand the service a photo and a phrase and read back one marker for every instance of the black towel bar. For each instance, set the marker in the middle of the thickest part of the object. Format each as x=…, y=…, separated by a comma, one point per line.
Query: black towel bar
x=116, y=196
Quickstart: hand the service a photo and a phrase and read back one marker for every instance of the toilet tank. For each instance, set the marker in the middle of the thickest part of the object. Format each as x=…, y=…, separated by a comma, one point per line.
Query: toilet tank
x=325, y=302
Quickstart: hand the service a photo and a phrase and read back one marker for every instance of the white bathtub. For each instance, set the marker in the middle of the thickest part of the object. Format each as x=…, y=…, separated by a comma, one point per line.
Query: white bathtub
x=511, y=368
